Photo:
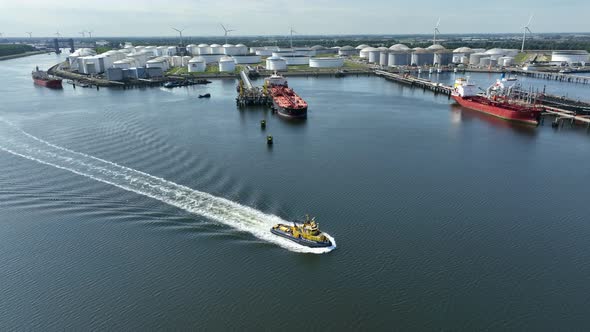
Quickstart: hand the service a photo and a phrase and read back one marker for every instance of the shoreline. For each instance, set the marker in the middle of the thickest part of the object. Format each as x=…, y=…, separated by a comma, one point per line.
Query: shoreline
x=22, y=55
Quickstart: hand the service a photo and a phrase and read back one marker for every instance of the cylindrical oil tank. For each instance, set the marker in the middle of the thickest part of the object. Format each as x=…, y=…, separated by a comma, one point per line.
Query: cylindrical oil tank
x=161, y=50
x=171, y=51
x=464, y=60
x=399, y=58
x=422, y=57
x=264, y=52
x=216, y=49
x=229, y=49
x=242, y=49
x=247, y=59
x=443, y=58
x=212, y=58
x=203, y=49
x=475, y=58
x=384, y=58
x=294, y=60
x=177, y=61
x=185, y=60
x=364, y=53
x=227, y=64
x=276, y=63
x=197, y=65
x=374, y=55
x=326, y=62
x=493, y=62
x=485, y=61
x=158, y=63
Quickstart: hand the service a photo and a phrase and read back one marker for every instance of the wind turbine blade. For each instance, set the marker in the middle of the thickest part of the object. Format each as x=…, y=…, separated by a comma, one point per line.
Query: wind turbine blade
x=529, y=30
x=438, y=23
x=530, y=20
x=223, y=27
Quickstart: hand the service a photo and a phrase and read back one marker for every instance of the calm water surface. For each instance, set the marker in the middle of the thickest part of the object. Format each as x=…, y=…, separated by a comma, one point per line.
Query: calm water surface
x=444, y=219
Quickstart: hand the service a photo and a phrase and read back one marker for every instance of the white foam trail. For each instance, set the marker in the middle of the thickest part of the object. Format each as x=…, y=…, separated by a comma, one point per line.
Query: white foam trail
x=16, y=141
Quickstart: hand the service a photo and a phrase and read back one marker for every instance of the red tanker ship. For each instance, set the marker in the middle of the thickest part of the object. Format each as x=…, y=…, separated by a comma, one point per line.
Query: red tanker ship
x=44, y=79
x=284, y=99
x=499, y=100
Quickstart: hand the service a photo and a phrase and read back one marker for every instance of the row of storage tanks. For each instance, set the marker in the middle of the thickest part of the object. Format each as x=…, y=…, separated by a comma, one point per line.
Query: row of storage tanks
x=402, y=55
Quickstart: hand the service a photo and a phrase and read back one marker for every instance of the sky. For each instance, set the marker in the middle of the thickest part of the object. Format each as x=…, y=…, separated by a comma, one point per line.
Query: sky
x=112, y=18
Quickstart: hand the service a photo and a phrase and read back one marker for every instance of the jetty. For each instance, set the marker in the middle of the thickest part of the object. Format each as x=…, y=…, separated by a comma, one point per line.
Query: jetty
x=407, y=79
x=249, y=95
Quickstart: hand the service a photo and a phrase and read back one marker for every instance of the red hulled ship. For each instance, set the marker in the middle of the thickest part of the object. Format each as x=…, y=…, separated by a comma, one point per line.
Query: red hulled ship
x=500, y=100
x=44, y=79
x=284, y=99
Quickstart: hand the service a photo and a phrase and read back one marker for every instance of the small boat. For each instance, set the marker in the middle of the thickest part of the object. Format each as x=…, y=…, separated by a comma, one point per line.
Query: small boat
x=207, y=95
x=307, y=233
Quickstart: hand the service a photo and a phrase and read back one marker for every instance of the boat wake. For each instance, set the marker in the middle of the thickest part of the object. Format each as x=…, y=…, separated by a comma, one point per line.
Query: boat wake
x=18, y=142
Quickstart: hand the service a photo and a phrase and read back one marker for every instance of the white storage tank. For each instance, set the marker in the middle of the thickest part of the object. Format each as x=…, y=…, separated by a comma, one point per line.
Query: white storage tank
x=422, y=57
x=475, y=58
x=227, y=64
x=484, y=62
x=276, y=63
x=216, y=49
x=242, y=49
x=212, y=58
x=326, y=62
x=571, y=56
x=229, y=49
x=364, y=53
x=203, y=49
x=197, y=65
x=247, y=59
x=374, y=55
x=160, y=62
x=264, y=52
x=304, y=51
x=506, y=61
x=399, y=58
x=384, y=58
x=295, y=60
x=185, y=60
x=177, y=61
x=171, y=51
x=161, y=50
x=443, y=57
x=191, y=48
x=347, y=51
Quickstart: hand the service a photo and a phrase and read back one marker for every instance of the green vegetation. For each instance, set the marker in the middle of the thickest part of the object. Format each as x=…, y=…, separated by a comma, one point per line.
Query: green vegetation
x=102, y=49
x=12, y=49
x=354, y=65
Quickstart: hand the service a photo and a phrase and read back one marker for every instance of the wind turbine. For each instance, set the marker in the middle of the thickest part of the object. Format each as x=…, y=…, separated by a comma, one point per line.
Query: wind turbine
x=57, y=34
x=180, y=32
x=83, y=33
x=525, y=30
x=89, y=33
x=30, y=34
x=436, y=31
x=291, y=31
x=226, y=31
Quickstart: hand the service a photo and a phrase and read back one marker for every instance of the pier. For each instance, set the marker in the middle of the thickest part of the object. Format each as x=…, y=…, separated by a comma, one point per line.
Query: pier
x=249, y=95
x=553, y=76
x=416, y=82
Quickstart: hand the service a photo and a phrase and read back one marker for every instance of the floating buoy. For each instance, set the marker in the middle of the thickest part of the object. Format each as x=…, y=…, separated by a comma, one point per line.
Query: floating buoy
x=269, y=140
x=263, y=124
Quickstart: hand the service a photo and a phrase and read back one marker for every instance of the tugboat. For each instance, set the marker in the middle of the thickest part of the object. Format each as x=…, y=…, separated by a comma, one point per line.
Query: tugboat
x=306, y=234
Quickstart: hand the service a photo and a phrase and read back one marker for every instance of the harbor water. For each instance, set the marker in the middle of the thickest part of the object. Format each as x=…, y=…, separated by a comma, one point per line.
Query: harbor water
x=149, y=209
